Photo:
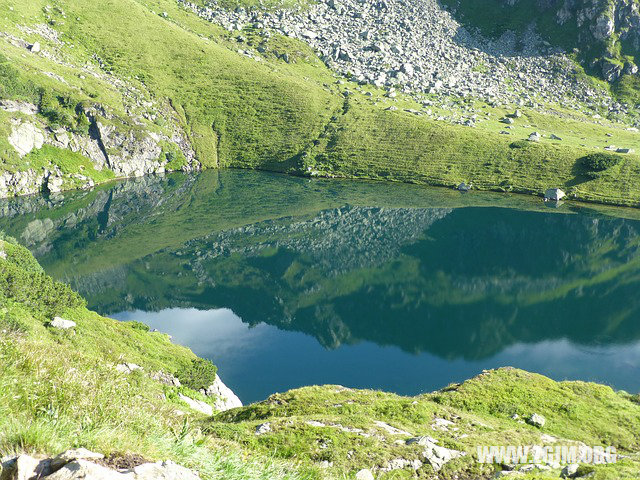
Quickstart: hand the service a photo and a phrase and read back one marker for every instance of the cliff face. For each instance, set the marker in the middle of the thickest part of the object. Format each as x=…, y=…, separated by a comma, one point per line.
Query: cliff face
x=605, y=34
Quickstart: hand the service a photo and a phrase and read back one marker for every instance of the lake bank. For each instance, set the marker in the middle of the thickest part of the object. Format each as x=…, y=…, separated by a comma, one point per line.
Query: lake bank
x=430, y=284
x=308, y=433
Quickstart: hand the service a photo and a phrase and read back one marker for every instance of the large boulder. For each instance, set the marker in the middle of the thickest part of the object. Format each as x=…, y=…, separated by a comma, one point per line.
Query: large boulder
x=62, y=324
x=225, y=398
x=437, y=456
x=25, y=137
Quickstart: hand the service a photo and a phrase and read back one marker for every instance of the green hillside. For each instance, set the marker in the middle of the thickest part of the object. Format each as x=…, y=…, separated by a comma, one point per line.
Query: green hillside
x=141, y=68
x=314, y=432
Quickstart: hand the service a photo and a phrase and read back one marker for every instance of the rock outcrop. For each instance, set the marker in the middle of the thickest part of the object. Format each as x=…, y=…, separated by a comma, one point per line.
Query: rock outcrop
x=225, y=399
x=420, y=47
x=82, y=464
x=25, y=137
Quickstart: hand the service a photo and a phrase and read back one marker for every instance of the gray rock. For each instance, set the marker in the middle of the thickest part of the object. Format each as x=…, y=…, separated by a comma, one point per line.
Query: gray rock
x=25, y=137
x=74, y=454
x=62, y=324
x=508, y=120
x=438, y=456
x=85, y=470
x=534, y=137
x=128, y=367
x=570, y=471
x=364, y=474
x=25, y=467
x=535, y=419
x=14, y=106
x=555, y=195
x=263, y=428
x=35, y=47
x=166, y=379
x=624, y=150
x=225, y=398
x=401, y=463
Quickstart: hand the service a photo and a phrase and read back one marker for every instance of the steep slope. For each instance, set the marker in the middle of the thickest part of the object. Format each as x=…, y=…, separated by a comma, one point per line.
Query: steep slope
x=63, y=388
x=603, y=35
x=129, y=87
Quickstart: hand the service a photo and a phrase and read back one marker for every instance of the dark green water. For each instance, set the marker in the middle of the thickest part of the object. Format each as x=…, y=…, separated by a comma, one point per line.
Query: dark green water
x=284, y=282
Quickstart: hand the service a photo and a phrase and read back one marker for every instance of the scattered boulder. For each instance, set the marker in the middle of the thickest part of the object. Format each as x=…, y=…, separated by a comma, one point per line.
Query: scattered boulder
x=25, y=467
x=25, y=137
x=128, y=367
x=400, y=463
x=555, y=137
x=535, y=419
x=364, y=474
x=508, y=120
x=554, y=194
x=422, y=441
x=389, y=429
x=74, y=454
x=624, y=150
x=166, y=379
x=441, y=424
x=35, y=47
x=535, y=137
x=263, y=428
x=463, y=187
x=62, y=324
x=570, y=471
x=14, y=106
x=86, y=470
x=163, y=470
x=438, y=456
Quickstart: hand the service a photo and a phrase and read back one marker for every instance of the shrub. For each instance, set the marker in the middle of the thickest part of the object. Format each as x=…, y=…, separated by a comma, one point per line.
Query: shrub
x=22, y=280
x=519, y=144
x=138, y=326
x=598, y=162
x=13, y=86
x=200, y=373
x=12, y=323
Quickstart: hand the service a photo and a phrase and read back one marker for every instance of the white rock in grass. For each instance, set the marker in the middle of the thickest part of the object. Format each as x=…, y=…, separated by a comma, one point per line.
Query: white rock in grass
x=25, y=137
x=35, y=47
x=225, y=398
x=263, y=428
x=197, y=405
x=61, y=323
x=25, y=467
x=537, y=420
x=163, y=470
x=364, y=474
x=74, y=454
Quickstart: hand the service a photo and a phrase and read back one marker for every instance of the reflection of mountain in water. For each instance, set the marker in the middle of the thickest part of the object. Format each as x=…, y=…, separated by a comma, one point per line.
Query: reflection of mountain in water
x=457, y=282
x=337, y=240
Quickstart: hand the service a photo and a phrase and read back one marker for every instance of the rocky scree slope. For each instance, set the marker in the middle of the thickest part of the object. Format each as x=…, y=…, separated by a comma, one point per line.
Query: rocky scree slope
x=419, y=46
x=131, y=88
x=604, y=35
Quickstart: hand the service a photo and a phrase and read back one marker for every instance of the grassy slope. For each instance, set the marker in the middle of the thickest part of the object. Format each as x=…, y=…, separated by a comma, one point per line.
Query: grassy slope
x=273, y=115
x=45, y=406
x=59, y=389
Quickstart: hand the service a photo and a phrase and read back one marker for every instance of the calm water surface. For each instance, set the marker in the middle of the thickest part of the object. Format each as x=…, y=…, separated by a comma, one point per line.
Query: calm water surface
x=284, y=282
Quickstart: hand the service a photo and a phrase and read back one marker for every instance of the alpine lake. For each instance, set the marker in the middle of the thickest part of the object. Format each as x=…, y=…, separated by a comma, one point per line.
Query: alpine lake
x=284, y=281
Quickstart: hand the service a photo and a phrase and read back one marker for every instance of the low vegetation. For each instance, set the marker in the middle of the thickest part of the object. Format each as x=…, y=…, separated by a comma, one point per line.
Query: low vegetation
x=313, y=432
x=262, y=111
x=60, y=389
